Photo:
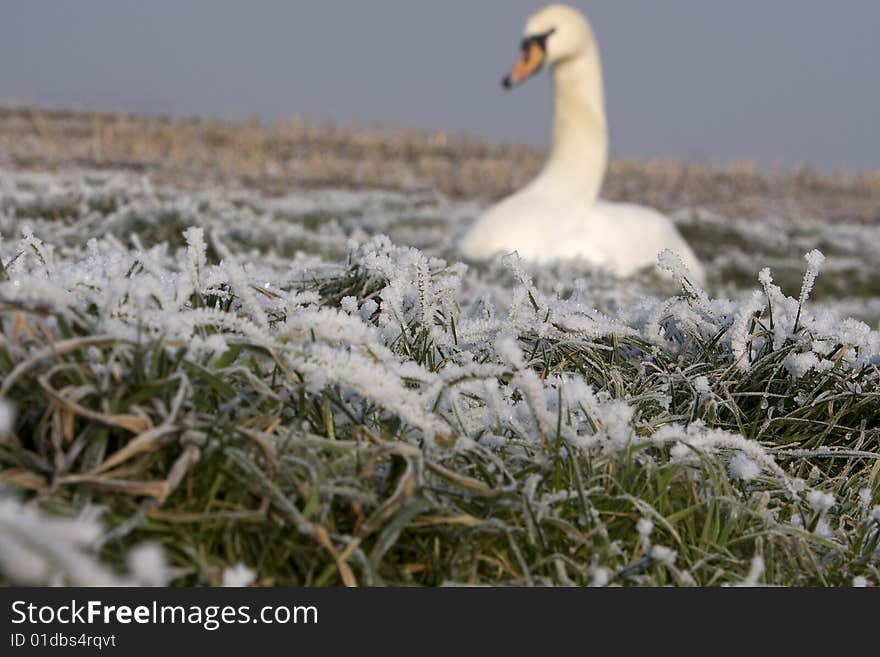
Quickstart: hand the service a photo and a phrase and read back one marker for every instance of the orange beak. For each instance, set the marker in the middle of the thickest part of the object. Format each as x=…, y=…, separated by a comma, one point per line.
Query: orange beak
x=529, y=63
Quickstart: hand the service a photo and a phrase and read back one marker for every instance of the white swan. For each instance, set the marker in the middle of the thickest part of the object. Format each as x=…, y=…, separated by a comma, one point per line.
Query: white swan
x=558, y=215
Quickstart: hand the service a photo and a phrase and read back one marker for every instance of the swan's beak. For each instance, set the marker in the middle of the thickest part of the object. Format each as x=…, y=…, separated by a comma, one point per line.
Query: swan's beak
x=530, y=61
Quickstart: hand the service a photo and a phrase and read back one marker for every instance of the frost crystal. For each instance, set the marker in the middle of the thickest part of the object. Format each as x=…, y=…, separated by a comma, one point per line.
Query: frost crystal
x=238, y=576
x=702, y=385
x=146, y=563
x=601, y=577
x=645, y=527
x=820, y=502
x=663, y=555
x=799, y=364
x=349, y=304
x=814, y=259
x=39, y=549
x=741, y=330
x=742, y=467
x=756, y=571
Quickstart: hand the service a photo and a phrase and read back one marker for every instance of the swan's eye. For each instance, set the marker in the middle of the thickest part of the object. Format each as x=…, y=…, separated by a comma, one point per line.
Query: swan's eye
x=539, y=40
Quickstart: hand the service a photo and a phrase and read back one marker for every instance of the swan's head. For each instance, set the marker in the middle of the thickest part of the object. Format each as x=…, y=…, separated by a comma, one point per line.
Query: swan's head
x=552, y=35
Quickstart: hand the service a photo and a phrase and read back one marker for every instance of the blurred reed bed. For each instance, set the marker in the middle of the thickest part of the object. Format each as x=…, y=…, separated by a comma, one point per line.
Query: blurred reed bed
x=297, y=153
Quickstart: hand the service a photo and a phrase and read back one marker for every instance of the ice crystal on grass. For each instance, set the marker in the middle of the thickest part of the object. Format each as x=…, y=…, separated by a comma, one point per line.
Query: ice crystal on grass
x=702, y=385
x=645, y=526
x=663, y=555
x=601, y=577
x=742, y=331
x=196, y=258
x=39, y=549
x=238, y=576
x=756, y=571
x=147, y=566
x=742, y=467
x=798, y=365
x=819, y=501
x=814, y=260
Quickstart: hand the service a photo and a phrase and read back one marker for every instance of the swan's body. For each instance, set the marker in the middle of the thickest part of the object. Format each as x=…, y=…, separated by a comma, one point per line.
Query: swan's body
x=558, y=214
x=618, y=237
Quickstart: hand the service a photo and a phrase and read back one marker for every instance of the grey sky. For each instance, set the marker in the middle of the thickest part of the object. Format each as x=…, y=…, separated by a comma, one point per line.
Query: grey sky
x=778, y=81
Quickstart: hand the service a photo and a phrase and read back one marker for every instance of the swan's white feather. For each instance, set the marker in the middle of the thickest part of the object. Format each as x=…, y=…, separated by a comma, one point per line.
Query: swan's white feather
x=557, y=215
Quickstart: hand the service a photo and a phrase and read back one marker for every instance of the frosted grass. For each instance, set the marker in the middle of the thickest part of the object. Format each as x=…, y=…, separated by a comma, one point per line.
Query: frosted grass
x=220, y=357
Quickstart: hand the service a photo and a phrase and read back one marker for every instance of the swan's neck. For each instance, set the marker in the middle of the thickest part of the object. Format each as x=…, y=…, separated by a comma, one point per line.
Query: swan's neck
x=580, y=137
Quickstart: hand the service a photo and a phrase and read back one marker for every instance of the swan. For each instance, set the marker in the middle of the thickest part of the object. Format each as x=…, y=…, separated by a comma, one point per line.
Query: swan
x=558, y=214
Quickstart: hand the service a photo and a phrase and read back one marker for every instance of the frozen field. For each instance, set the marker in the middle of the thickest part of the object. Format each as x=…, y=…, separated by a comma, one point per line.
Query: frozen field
x=208, y=385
